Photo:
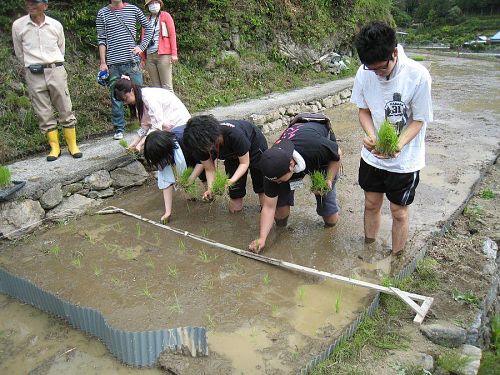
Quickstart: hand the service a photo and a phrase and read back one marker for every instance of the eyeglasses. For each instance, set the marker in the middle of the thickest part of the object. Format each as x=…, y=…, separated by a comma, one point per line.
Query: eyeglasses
x=386, y=65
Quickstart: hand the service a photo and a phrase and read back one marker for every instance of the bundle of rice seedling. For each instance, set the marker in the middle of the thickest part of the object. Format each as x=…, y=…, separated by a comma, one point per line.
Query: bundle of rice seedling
x=123, y=143
x=387, y=140
x=220, y=182
x=4, y=176
x=318, y=183
x=183, y=182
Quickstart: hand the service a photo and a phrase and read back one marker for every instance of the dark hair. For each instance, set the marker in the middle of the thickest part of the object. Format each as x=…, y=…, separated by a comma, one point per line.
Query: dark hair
x=123, y=86
x=159, y=149
x=375, y=42
x=201, y=133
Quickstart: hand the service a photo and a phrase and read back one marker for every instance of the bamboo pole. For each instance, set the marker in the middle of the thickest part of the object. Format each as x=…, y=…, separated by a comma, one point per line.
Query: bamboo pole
x=408, y=298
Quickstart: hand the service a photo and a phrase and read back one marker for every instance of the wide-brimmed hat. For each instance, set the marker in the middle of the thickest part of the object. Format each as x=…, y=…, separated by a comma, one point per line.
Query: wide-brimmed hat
x=275, y=162
x=146, y=2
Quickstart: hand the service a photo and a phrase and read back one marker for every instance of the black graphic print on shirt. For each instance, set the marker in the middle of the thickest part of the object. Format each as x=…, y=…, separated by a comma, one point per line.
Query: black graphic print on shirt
x=396, y=112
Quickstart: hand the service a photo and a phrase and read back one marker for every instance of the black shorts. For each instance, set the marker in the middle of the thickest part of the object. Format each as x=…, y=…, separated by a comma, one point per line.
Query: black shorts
x=398, y=187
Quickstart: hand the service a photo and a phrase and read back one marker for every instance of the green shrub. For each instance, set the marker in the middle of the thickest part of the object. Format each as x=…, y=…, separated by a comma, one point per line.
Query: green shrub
x=4, y=176
x=387, y=140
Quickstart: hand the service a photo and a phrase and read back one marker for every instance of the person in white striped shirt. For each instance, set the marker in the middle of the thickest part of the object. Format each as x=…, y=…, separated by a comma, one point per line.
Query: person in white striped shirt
x=119, y=51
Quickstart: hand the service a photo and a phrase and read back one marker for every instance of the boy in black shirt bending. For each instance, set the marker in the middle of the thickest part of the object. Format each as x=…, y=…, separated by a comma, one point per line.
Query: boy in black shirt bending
x=307, y=145
x=239, y=143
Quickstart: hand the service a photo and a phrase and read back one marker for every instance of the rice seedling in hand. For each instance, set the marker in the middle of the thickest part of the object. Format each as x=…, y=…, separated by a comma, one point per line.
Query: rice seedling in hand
x=318, y=183
x=5, y=177
x=191, y=188
x=220, y=182
x=387, y=140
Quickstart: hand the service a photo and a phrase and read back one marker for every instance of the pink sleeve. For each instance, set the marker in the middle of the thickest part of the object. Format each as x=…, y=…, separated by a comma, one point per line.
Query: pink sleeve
x=171, y=33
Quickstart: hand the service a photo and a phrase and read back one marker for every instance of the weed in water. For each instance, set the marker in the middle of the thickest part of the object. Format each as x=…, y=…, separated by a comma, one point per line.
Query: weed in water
x=172, y=271
x=150, y=264
x=147, y=292
x=387, y=140
x=55, y=250
x=301, y=294
x=318, y=183
x=338, y=301
x=453, y=361
x=467, y=298
x=182, y=246
x=176, y=307
x=220, y=182
x=76, y=262
x=97, y=271
x=266, y=279
x=487, y=194
x=5, y=177
x=123, y=143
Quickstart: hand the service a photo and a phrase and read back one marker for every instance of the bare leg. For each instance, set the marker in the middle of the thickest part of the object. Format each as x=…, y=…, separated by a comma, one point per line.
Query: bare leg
x=400, y=225
x=331, y=220
x=373, y=205
x=281, y=216
x=236, y=205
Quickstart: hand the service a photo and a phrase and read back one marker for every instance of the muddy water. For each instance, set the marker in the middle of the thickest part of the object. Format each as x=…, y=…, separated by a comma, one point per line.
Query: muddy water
x=260, y=319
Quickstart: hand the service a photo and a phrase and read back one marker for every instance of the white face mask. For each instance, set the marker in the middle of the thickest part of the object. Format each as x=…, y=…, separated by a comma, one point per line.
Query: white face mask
x=154, y=8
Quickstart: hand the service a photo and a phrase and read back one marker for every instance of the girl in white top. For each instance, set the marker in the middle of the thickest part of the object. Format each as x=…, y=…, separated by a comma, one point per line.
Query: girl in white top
x=156, y=108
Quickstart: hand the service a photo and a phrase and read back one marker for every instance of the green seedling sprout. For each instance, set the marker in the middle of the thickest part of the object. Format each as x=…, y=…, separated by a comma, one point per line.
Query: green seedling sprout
x=76, y=262
x=207, y=283
x=191, y=188
x=176, y=307
x=211, y=323
x=301, y=293
x=318, y=183
x=150, y=264
x=338, y=301
x=115, y=281
x=387, y=140
x=147, y=292
x=203, y=256
x=130, y=254
x=172, y=271
x=55, y=250
x=97, y=271
x=138, y=230
x=274, y=309
x=220, y=182
x=5, y=177
x=182, y=246
x=266, y=279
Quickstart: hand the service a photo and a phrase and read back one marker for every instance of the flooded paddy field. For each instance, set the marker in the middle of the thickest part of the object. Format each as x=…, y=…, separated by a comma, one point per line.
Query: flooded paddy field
x=260, y=319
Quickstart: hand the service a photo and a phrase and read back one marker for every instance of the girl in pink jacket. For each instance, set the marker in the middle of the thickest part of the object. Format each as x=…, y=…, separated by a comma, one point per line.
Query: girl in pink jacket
x=162, y=51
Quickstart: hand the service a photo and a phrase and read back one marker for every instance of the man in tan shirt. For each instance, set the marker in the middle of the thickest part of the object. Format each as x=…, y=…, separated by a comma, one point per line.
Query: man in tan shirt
x=39, y=45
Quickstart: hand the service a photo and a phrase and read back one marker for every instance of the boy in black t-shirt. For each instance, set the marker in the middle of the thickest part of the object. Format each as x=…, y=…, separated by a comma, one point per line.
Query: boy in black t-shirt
x=239, y=143
x=302, y=149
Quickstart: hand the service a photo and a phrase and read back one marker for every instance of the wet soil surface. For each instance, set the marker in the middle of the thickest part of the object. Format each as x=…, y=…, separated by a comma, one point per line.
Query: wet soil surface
x=260, y=319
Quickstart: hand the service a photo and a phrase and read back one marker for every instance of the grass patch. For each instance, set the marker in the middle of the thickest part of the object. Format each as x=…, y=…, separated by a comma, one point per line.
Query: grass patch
x=418, y=58
x=387, y=140
x=5, y=177
x=123, y=143
x=318, y=183
x=453, y=361
x=467, y=298
x=487, y=194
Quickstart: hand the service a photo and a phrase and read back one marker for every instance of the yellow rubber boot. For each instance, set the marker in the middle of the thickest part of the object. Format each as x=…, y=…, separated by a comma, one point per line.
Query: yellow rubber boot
x=55, y=150
x=70, y=137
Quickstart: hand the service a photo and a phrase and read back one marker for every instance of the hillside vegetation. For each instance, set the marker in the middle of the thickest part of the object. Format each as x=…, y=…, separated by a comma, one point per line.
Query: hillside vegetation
x=204, y=77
